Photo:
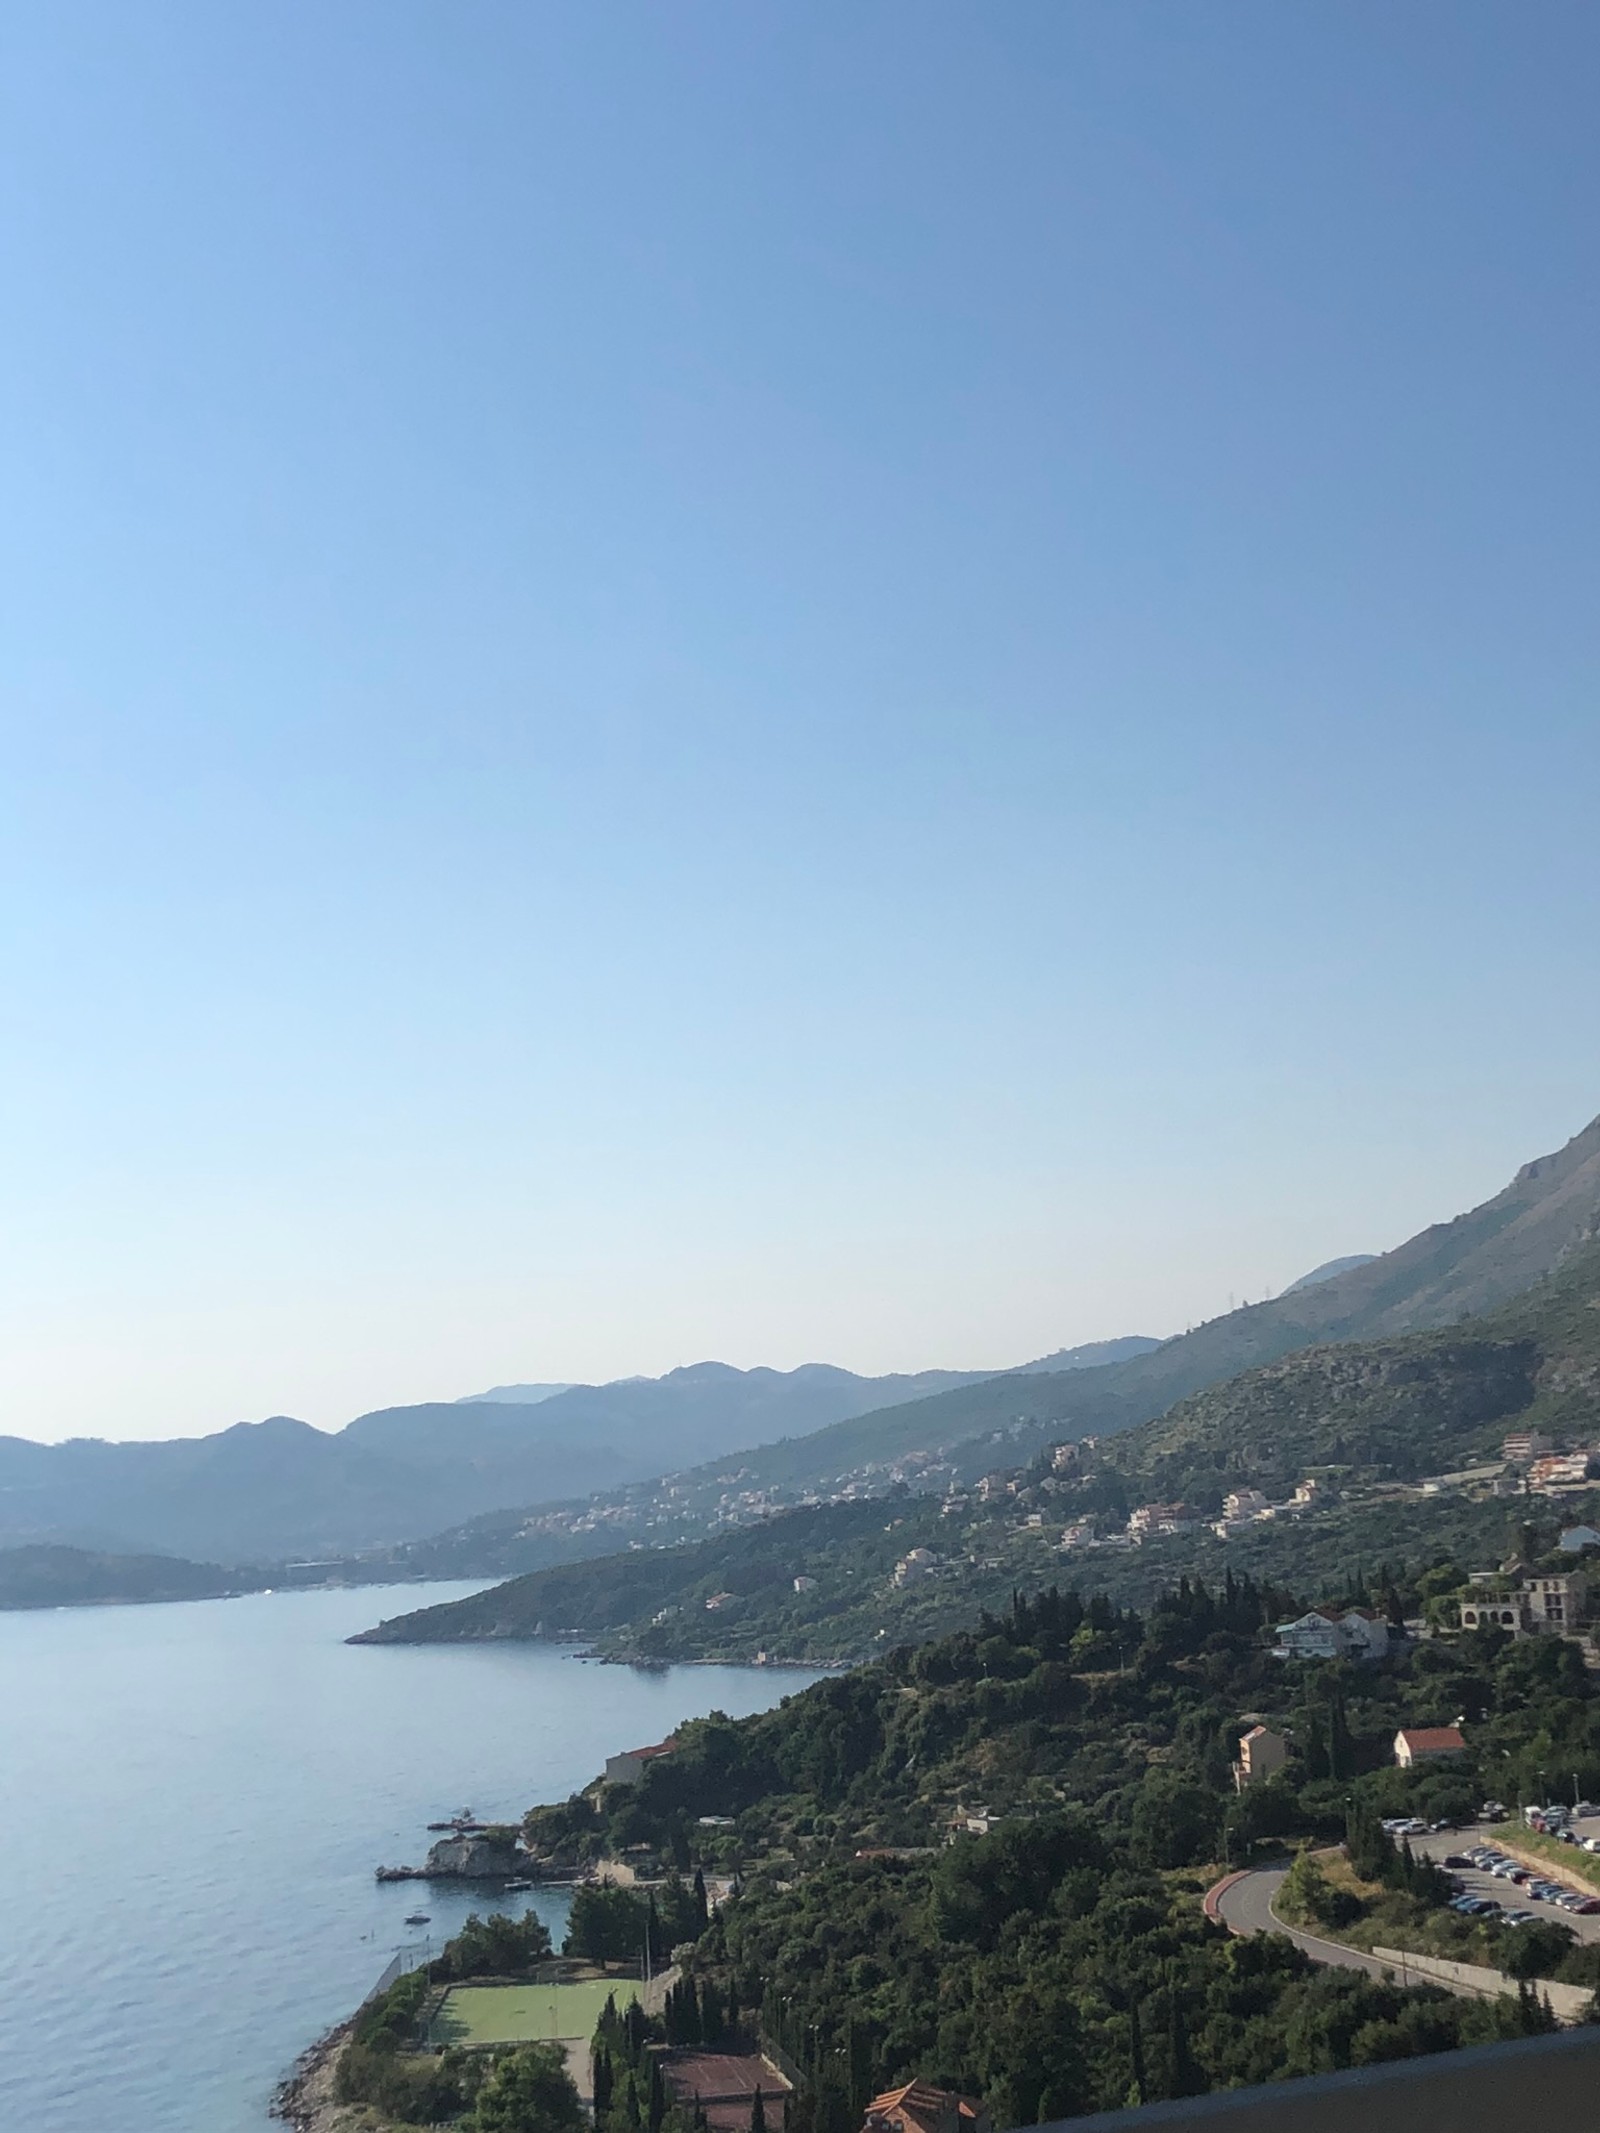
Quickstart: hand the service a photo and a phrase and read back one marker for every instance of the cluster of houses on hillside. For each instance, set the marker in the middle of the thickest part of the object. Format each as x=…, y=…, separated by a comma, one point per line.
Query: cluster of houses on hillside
x=1526, y=1603
x=1248, y=1507
x=1161, y=1521
x=1544, y=1470
x=1262, y=1752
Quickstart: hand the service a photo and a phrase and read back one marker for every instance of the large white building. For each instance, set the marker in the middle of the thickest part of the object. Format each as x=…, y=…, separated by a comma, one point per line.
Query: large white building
x=1552, y=1603
x=1334, y=1633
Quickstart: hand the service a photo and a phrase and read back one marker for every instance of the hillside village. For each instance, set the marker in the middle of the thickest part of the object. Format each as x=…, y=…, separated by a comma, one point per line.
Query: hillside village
x=1156, y=1764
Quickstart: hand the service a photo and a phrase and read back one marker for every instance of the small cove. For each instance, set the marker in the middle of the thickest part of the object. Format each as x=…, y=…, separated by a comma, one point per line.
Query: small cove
x=193, y=1799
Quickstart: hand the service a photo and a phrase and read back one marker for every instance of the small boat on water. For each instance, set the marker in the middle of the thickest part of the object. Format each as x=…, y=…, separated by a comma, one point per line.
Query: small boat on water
x=520, y=1884
x=464, y=1823
x=418, y=1918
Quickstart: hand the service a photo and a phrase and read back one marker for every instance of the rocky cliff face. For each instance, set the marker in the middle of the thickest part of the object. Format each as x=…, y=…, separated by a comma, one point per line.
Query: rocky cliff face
x=476, y=1858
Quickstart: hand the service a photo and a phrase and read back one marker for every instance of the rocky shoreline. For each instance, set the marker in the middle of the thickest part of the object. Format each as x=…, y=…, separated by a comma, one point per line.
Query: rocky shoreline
x=305, y=2099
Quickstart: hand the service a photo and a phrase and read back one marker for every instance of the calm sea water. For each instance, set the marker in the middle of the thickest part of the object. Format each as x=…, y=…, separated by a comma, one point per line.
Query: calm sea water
x=193, y=1798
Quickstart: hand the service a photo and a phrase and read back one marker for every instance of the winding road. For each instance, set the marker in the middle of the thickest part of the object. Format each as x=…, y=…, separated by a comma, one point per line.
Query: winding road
x=1244, y=1904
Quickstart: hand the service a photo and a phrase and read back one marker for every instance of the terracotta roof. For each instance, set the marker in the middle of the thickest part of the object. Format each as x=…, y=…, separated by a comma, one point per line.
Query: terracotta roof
x=1431, y=1738
x=919, y=2099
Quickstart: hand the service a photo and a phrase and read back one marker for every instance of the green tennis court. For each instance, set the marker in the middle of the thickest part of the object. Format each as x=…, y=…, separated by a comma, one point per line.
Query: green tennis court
x=526, y=2014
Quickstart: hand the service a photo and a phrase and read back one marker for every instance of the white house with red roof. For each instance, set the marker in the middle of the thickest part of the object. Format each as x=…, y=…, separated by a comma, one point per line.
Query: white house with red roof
x=1425, y=1744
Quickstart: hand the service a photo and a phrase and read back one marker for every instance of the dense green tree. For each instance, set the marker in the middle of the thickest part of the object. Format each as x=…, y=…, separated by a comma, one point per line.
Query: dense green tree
x=496, y=1946
x=529, y=2091
x=607, y=1924
x=1175, y=1820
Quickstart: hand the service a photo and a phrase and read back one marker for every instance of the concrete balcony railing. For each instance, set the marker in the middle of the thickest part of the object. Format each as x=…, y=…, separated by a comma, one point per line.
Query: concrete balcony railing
x=1534, y=2085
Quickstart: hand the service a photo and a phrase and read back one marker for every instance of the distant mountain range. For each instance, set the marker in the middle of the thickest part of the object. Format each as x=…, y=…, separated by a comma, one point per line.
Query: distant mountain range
x=259, y=1493
x=511, y=1395
x=263, y=1491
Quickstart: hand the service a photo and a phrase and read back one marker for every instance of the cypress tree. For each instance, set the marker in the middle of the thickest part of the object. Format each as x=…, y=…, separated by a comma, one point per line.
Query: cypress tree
x=658, y=2096
x=1141, y=2084
x=758, y=2112
x=604, y=2084
x=711, y=2016
x=1186, y=2078
x=702, y=1906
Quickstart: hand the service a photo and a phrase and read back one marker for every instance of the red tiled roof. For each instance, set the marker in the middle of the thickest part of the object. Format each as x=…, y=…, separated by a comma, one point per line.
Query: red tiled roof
x=919, y=2099
x=1435, y=1738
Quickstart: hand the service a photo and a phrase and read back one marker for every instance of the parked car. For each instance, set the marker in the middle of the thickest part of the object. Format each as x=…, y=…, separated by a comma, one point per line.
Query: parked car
x=1517, y=1918
x=1456, y=1859
x=1587, y=1906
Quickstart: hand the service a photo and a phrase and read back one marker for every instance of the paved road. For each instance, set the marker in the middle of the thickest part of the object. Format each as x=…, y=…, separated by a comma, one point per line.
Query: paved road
x=1245, y=1905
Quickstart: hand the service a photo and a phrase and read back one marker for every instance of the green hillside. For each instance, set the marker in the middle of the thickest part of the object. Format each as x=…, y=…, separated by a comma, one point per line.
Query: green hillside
x=1368, y=1414
x=1396, y=1409
x=78, y=1577
x=979, y=1862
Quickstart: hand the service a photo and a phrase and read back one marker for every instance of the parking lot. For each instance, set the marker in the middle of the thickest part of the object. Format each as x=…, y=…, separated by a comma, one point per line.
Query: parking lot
x=1511, y=1895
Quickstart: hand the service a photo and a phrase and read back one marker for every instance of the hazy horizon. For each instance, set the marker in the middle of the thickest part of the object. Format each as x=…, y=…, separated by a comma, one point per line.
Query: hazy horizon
x=897, y=689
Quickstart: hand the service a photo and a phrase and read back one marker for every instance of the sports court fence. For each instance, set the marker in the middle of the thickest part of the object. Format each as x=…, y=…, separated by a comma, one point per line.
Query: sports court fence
x=399, y=1963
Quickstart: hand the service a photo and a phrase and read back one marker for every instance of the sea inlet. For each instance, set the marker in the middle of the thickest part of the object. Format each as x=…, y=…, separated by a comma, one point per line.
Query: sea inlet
x=192, y=1801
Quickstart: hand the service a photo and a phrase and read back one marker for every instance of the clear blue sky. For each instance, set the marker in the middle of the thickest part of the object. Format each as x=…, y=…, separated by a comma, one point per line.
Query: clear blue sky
x=893, y=683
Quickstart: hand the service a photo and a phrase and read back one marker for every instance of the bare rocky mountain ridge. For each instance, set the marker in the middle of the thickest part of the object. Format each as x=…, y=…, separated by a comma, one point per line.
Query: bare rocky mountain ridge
x=1468, y=1265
